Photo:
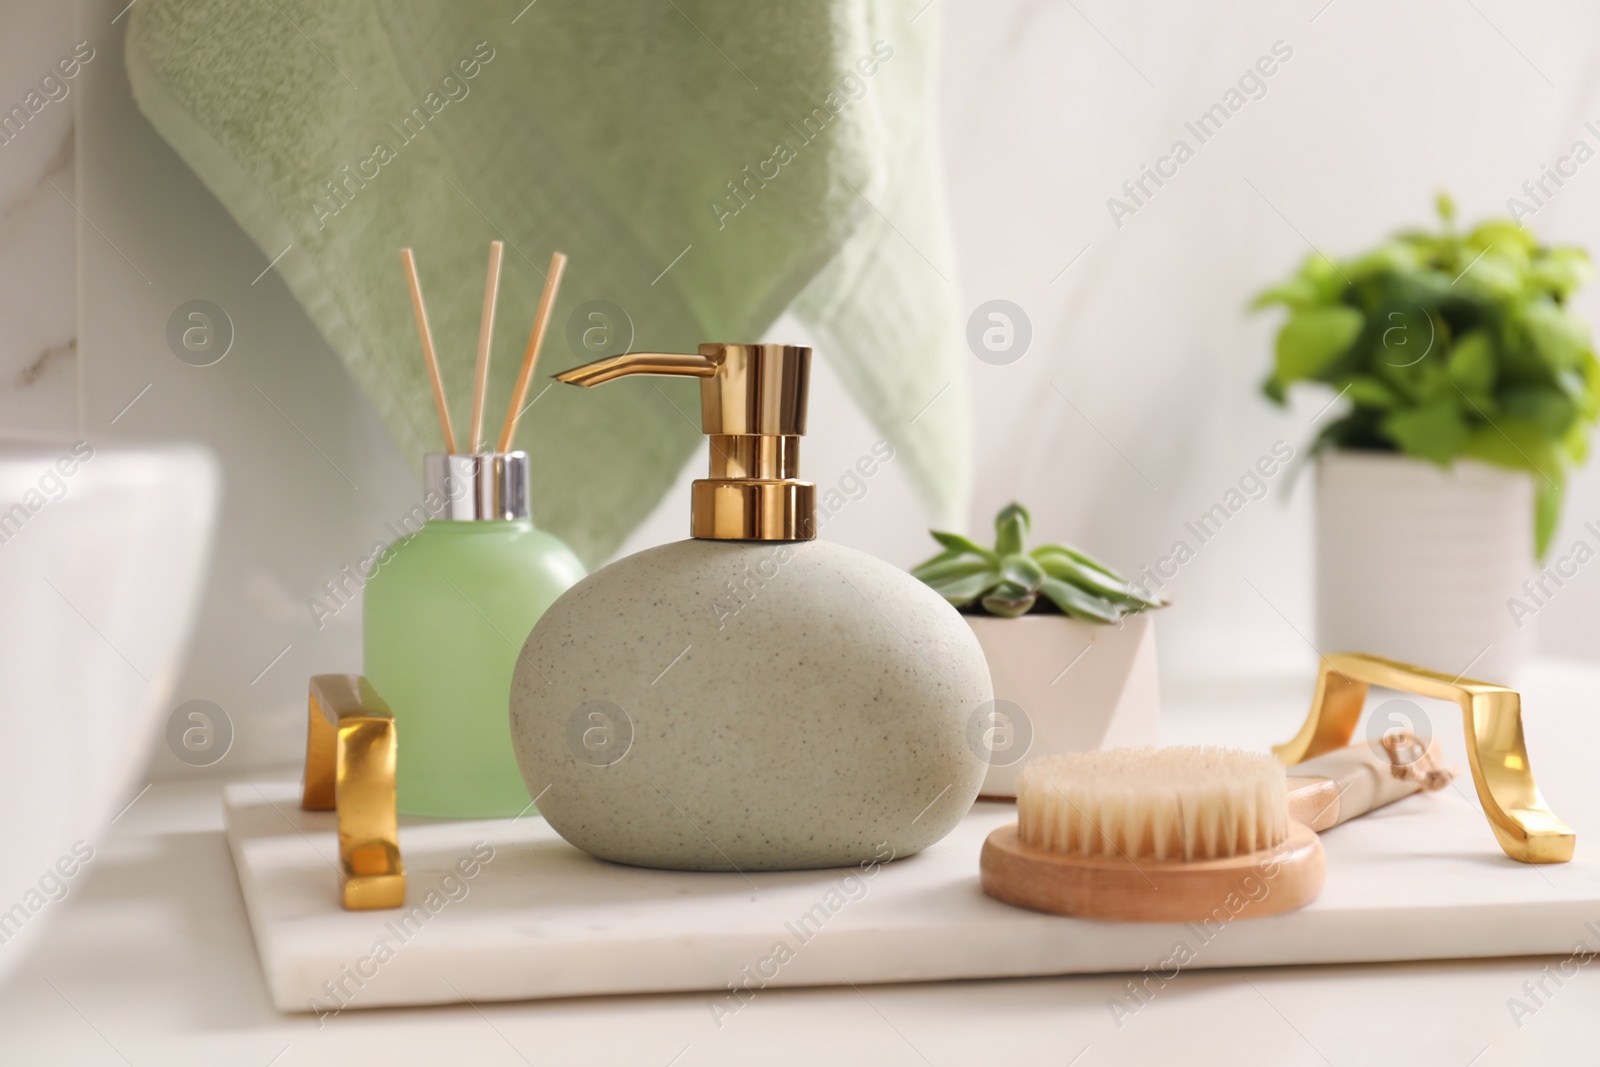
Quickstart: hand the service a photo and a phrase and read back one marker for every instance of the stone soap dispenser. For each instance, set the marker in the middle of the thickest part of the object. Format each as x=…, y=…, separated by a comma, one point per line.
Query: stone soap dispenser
x=821, y=722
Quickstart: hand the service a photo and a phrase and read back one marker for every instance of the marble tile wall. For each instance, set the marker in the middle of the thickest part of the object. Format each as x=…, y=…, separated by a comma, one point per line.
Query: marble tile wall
x=38, y=330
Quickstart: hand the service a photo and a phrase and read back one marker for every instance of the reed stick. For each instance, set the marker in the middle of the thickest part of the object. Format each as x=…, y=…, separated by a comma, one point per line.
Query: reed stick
x=480, y=376
x=530, y=356
x=428, y=354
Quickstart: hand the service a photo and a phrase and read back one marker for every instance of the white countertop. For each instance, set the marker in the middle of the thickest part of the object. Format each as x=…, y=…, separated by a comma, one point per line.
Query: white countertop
x=150, y=960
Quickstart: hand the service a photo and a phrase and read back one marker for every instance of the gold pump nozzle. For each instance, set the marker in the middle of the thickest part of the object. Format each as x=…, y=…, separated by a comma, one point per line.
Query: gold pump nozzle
x=753, y=407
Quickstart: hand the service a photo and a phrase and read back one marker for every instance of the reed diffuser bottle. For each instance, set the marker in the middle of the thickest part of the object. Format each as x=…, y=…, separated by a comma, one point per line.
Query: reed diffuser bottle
x=444, y=620
x=449, y=606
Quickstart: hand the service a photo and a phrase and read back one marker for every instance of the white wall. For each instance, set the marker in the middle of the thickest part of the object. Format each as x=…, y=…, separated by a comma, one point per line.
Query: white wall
x=1136, y=406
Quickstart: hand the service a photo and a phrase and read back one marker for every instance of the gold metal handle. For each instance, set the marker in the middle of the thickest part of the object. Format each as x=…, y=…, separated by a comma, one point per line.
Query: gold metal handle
x=350, y=758
x=1492, y=715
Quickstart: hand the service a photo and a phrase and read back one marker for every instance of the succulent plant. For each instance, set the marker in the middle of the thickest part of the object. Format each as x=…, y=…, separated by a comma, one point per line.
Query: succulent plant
x=1009, y=580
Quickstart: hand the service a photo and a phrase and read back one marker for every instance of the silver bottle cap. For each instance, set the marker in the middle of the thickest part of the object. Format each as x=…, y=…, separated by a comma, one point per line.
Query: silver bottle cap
x=489, y=485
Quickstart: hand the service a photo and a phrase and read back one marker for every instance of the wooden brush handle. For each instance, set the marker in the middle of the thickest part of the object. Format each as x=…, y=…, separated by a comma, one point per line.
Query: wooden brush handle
x=1337, y=786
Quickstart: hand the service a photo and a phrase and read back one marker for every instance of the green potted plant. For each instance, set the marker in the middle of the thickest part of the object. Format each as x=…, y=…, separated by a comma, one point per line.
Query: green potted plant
x=1070, y=647
x=1466, y=388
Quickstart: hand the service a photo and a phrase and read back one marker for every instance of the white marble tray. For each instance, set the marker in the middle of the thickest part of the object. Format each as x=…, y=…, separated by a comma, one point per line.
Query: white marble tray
x=1423, y=879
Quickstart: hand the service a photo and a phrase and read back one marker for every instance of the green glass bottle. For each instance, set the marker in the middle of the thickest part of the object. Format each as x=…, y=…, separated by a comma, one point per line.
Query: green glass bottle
x=444, y=617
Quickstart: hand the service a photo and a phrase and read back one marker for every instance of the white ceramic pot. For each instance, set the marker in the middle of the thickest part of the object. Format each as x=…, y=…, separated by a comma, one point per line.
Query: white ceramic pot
x=1061, y=685
x=102, y=552
x=1416, y=562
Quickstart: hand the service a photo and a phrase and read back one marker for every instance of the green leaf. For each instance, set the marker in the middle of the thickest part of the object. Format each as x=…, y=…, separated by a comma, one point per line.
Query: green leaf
x=962, y=591
x=1312, y=339
x=1317, y=282
x=1079, y=556
x=1404, y=381
x=1501, y=233
x=1021, y=571
x=1472, y=363
x=957, y=543
x=1558, y=336
x=1391, y=257
x=1561, y=271
x=1297, y=292
x=1498, y=273
x=1009, y=601
x=1516, y=444
x=1585, y=387
x=1079, y=604
x=1090, y=580
x=1547, y=499
x=1446, y=206
x=1433, y=378
x=1408, y=337
x=939, y=570
x=1434, y=431
x=1370, y=393
x=1551, y=409
x=1011, y=527
x=1576, y=443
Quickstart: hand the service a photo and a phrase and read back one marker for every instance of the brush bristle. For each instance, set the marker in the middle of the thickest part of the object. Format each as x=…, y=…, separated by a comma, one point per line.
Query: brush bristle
x=1154, y=803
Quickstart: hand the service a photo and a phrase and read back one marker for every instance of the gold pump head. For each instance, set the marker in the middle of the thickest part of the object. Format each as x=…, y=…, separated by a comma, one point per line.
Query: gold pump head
x=753, y=407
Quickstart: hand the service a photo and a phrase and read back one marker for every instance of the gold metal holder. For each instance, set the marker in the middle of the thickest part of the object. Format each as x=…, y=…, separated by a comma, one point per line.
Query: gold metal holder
x=1492, y=715
x=350, y=756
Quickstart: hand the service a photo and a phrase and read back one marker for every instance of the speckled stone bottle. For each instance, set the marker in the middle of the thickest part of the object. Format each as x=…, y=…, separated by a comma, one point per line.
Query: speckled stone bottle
x=751, y=698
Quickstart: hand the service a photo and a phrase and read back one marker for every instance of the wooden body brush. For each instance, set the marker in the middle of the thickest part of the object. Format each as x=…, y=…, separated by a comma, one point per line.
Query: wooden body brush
x=1173, y=835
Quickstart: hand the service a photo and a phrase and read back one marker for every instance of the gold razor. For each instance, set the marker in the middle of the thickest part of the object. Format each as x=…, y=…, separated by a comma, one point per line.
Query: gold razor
x=1522, y=822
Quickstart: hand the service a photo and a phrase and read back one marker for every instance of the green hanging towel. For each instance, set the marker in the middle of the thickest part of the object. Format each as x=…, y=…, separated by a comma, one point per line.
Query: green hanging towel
x=706, y=164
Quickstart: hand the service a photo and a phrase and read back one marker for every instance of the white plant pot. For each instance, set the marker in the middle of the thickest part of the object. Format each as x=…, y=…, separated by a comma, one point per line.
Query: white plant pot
x=1416, y=562
x=100, y=572
x=1061, y=685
